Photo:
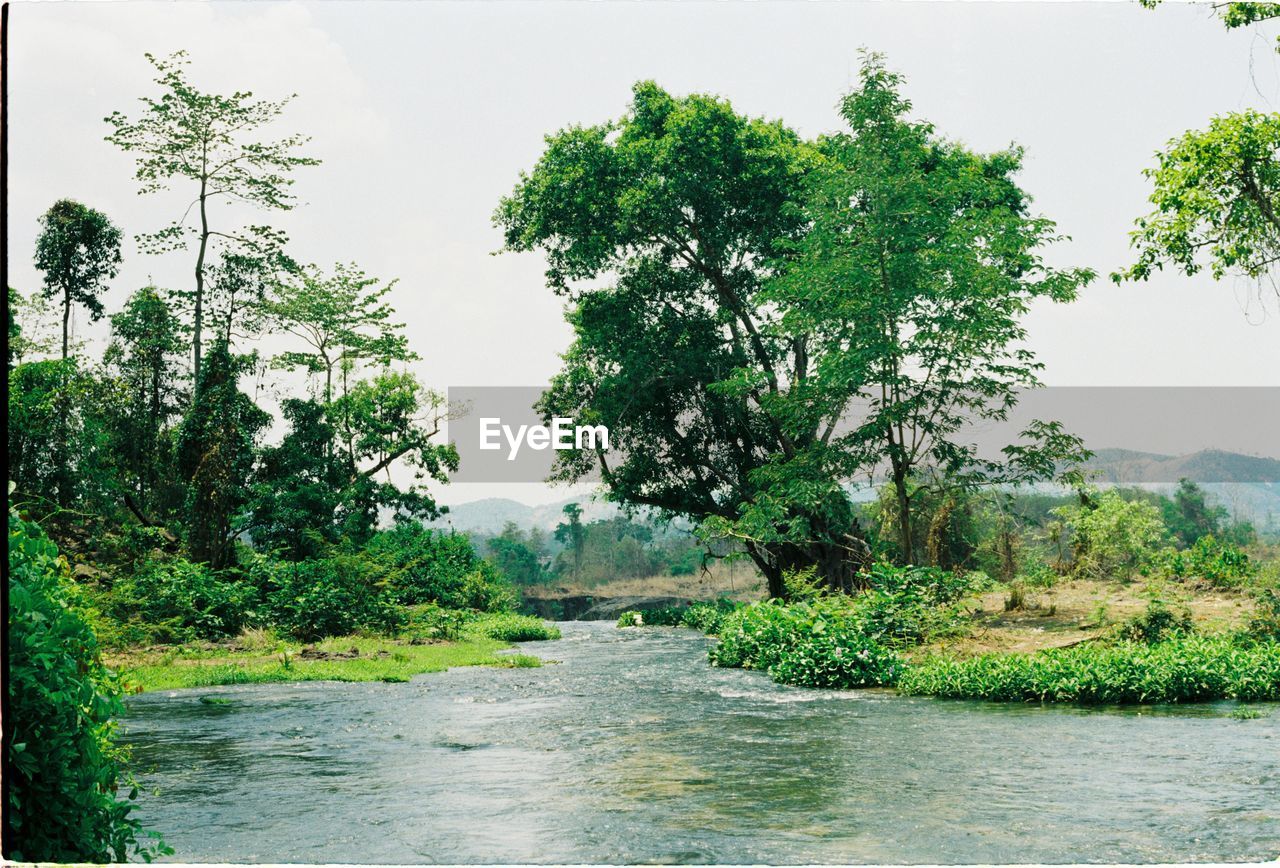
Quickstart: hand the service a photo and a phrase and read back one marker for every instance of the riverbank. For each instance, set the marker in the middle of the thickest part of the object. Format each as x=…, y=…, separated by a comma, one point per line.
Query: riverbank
x=262, y=657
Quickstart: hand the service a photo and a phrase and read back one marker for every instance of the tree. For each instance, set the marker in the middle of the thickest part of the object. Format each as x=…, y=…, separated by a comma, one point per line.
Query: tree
x=514, y=555
x=908, y=291
x=1216, y=191
x=573, y=535
x=342, y=318
x=682, y=206
x=215, y=451
x=205, y=139
x=78, y=250
x=1189, y=516
x=147, y=344
x=1217, y=202
x=725, y=378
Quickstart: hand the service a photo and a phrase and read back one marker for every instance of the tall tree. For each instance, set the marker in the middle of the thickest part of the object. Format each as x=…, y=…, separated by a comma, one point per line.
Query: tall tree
x=908, y=292
x=146, y=350
x=216, y=453
x=724, y=381
x=342, y=319
x=78, y=250
x=208, y=141
x=572, y=535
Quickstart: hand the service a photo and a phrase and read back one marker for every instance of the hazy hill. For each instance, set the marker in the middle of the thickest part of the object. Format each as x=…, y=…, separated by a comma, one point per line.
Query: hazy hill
x=1249, y=486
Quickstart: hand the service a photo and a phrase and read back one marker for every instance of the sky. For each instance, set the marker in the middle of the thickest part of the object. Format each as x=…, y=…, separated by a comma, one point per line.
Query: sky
x=425, y=113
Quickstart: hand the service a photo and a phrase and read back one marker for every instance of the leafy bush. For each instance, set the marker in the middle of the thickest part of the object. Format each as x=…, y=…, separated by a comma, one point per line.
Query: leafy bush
x=430, y=621
x=1211, y=560
x=426, y=566
x=508, y=627
x=817, y=643
x=332, y=597
x=703, y=616
x=62, y=765
x=1156, y=624
x=1180, y=669
x=1116, y=538
x=174, y=600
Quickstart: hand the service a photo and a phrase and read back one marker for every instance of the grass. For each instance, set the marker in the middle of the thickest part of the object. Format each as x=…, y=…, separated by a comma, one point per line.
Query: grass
x=259, y=659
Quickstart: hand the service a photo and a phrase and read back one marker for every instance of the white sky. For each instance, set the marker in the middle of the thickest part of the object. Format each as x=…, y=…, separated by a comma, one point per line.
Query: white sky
x=424, y=113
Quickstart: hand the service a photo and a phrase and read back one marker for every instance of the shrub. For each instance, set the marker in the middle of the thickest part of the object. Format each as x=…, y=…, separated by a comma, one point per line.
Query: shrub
x=819, y=643
x=62, y=765
x=1214, y=561
x=1181, y=669
x=174, y=600
x=1156, y=624
x=332, y=597
x=507, y=627
x=1116, y=538
x=426, y=566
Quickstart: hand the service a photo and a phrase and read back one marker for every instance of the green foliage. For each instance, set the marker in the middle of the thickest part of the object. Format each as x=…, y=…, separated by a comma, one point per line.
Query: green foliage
x=1114, y=538
x=206, y=140
x=1157, y=623
x=174, y=600
x=813, y=644
x=508, y=627
x=734, y=271
x=62, y=767
x=1215, y=194
x=703, y=616
x=215, y=450
x=78, y=251
x=426, y=566
x=516, y=555
x=1181, y=669
x=1209, y=560
x=333, y=596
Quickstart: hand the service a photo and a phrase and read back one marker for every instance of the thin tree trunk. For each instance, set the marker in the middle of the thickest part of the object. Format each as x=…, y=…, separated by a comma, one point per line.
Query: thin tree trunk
x=904, y=514
x=199, y=311
x=66, y=322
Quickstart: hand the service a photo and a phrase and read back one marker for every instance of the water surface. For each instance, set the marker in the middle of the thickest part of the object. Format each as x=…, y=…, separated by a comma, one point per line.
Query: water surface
x=632, y=749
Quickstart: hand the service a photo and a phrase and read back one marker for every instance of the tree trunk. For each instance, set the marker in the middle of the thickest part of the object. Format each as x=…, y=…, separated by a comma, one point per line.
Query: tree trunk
x=199, y=309
x=66, y=322
x=904, y=514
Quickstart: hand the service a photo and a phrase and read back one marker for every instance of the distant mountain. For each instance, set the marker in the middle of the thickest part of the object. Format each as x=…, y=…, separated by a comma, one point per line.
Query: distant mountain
x=1207, y=466
x=1247, y=485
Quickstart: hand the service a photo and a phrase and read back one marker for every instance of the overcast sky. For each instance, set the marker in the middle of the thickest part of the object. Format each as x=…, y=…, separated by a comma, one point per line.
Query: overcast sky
x=424, y=114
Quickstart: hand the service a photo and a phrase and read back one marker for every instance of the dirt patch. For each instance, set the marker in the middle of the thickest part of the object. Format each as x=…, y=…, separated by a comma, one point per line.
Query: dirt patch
x=310, y=652
x=1077, y=611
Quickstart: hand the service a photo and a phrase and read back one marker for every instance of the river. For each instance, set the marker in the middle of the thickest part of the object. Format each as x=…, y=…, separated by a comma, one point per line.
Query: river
x=632, y=749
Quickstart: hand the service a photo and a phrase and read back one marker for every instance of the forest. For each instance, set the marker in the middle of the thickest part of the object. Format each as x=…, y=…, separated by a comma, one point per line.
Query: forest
x=733, y=288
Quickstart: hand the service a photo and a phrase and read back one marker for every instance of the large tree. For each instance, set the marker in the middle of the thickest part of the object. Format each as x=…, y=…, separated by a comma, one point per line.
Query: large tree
x=145, y=353
x=908, y=292
x=680, y=209
x=208, y=141
x=78, y=251
x=676, y=232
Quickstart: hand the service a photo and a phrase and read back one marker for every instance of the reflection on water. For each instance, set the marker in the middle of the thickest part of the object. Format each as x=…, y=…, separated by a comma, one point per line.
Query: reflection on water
x=632, y=749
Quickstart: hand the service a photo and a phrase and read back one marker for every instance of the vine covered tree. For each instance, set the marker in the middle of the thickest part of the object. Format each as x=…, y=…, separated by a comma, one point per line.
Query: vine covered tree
x=78, y=251
x=207, y=141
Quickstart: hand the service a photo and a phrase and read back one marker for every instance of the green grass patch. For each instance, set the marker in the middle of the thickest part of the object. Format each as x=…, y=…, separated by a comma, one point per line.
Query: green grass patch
x=341, y=659
x=511, y=628
x=1178, y=669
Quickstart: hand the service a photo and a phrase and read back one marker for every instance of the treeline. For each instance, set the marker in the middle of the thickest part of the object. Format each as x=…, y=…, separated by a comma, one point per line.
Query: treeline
x=589, y=553
x=146, y=503
x=149, y=463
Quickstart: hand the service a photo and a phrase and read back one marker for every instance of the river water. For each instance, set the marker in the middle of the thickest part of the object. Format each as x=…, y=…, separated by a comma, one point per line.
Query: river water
x=633, y=749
